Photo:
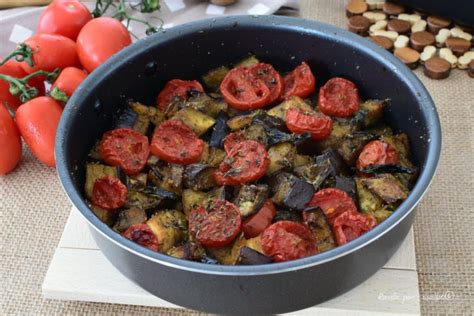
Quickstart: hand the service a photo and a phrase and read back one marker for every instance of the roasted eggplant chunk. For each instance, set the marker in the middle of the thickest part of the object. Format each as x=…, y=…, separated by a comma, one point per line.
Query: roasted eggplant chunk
x=228, y=254
x=248, y=61
x=142, y=200
x=387, y=187
x=167, y=176
x=327, y=164
x=95, y=171
x=220, y=193
x=251, y=198
x=347, y=184
x=94, y=155
x=188, y=251
x=314, y=173
x=135, y=182
x=301, y=160
x=318, y=223
x=383, y=213
x=174, y=106
x=213, y=78
x=257, y=133
x=152, y=161
x=255, y=244
x=372, y=110
x=352, y=145
x=276, y=131
x=370, y=203
x=169, y=227
x=106, y=216
x=150, y=113
x=388, y=169
x=339, y=130
x=220, y=130
x=248, y=256
x=192, y=199
x=212, y=156
x=334, y=160
x=275, y=136
x=280, y=110
x=205, y=104
x=161, y=193
x=270, y=122
x=381, y=130
x=241, y=121
x=129, y=217
x=142, y=125
x=281, y=157
x=150, y=198
x=199, y=177
x=290, y=192
x=126, y=119
x=401, y=144
x=287, y=215
x=196, y=120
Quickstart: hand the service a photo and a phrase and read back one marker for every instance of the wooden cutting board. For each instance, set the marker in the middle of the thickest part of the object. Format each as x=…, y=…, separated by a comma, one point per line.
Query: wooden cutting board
x=80, y=272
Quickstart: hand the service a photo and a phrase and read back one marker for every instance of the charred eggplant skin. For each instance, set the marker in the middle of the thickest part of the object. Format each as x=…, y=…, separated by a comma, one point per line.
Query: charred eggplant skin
x=257, y=133
x=352, y=145
x=281, y=157
x=188, y=251
x=221, y=193
x=347, y=184
x=126, y=119
x=271, y=122
x=129, y=217
x=327, y=164
x=318, y=223
x=219, y=131
x=167, y=176
x=251, y=198
x=387, y=187
x=199, y=177
x=290, y=191
x=202, y=102
x=228, y=254
x=248, y=256
x=336, y=162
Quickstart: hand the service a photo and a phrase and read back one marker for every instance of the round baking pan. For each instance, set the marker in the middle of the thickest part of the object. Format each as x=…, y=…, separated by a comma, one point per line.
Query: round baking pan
x=188, y=51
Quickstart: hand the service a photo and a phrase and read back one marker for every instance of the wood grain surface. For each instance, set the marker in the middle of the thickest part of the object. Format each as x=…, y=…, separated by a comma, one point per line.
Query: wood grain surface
x=5, y=4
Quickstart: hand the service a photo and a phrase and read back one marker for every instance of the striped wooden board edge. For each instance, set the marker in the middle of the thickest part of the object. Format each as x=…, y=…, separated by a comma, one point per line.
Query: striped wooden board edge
x=80, y=272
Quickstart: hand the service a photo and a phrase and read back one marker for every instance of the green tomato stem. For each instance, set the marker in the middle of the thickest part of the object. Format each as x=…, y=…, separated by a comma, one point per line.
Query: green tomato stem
x=146, y=6
x=19, y=86
x=58, y=95
x=122, y=15
x=22, y=53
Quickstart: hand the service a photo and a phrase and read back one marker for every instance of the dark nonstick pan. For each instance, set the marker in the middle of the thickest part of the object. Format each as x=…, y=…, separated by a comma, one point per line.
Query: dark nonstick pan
x=188, y=51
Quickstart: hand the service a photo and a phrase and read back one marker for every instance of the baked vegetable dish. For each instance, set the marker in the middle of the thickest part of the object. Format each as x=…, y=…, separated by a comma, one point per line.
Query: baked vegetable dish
x=255, y=168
